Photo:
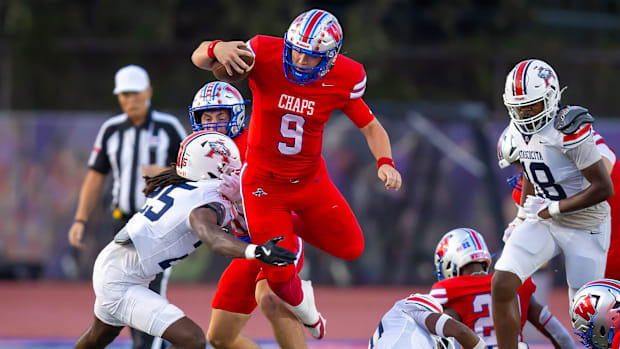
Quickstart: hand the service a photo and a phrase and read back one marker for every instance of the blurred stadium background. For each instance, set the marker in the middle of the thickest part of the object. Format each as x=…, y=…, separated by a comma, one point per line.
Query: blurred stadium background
x=436, y=71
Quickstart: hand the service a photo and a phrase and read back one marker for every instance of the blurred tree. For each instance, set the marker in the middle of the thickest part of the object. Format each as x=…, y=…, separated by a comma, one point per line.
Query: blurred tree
x=62, y=54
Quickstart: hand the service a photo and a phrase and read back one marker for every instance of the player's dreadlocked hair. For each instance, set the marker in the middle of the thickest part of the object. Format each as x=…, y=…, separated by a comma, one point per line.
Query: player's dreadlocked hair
x=165, y=178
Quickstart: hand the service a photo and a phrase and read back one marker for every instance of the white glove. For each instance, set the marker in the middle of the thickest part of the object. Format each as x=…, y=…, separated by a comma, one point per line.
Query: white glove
x=230, y=188
x=533, y=205
x=511, y=227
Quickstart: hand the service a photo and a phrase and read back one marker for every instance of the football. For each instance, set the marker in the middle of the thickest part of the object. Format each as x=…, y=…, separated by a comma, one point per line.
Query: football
x=219, y=71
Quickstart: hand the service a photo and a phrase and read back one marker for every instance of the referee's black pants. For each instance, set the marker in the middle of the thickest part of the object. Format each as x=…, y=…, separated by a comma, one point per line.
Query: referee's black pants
x=139, y=339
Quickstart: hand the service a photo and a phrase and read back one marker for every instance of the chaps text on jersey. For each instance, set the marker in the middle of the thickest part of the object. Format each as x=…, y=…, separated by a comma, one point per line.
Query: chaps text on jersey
x=296, y=104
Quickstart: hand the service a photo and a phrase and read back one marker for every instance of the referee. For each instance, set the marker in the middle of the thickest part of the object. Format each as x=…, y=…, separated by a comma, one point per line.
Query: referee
x=139, y=142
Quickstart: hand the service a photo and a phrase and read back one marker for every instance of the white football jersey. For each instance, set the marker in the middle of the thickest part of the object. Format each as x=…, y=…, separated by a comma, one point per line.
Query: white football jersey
x=398, y=329
x=161, y=232
x=552, y=162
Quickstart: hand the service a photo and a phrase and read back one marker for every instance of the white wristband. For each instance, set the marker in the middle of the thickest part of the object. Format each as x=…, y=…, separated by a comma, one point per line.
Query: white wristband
x=554, y=208
x=521, y=212
x=250, y=252
x=480, y=345
x=439, y=325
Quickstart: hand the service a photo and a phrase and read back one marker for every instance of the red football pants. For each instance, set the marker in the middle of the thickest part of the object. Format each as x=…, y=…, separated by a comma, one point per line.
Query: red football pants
x=237, y=286
x=330, y=224
x=612, y=270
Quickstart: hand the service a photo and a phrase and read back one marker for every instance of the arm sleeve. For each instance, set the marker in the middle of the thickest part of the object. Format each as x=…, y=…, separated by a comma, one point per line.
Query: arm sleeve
x=584, y=154
x=360, y=85
x=213, y=200
x=98, y=160
x=252, y=44
x=440, y=294
x=358, y=111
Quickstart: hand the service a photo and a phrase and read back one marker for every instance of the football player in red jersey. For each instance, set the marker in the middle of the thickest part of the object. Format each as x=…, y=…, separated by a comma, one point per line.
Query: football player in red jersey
x=595, y=314
x=462, y=260
x=508, y=154
x=297, y=82
x=218, y=106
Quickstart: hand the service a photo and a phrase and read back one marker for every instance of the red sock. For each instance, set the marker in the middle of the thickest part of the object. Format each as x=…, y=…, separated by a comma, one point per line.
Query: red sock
x=289, y=291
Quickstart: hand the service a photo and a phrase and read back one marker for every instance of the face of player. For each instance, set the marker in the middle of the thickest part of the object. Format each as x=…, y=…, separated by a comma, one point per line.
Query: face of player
x=215, y=115
x=531, y=110
x=303, y=60
x=135, y=104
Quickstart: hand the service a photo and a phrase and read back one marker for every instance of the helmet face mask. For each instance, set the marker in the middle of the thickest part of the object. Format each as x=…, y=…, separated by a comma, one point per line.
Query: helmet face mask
x=207, y=155
x=218, y=95
x=595, y=313
x=530, y=82
x=458, y=248
x=315, y=33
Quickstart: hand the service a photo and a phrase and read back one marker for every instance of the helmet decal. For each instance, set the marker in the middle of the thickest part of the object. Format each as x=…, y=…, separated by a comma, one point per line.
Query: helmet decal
x=595, y=313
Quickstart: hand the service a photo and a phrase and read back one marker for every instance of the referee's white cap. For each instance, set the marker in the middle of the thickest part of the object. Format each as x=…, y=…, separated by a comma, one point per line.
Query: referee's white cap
x=131, y=78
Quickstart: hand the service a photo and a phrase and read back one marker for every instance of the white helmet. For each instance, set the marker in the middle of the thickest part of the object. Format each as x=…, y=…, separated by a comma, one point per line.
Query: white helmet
x=207, y=155
x=595, y=313
x=458, y=248
x=530, y=82
x=218, y=95
x=507, y=151
x=316, y=33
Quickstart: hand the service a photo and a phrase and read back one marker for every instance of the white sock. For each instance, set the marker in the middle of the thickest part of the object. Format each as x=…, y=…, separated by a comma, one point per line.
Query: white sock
x=306, y=310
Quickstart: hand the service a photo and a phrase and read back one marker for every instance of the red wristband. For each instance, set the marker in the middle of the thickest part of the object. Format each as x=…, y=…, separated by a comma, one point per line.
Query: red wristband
x=211, y=47
x=385, y=161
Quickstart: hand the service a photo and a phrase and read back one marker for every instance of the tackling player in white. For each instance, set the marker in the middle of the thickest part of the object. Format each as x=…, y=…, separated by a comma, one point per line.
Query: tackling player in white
x=564, y=170
x=183, y=210
x=417, y=322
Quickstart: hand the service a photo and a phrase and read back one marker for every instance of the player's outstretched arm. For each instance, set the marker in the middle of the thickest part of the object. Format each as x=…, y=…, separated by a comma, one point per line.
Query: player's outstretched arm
x=445, y=326
x=204, y=222
x=226, y=52
x=379, y=144
x=549, y=325
x=91, y=188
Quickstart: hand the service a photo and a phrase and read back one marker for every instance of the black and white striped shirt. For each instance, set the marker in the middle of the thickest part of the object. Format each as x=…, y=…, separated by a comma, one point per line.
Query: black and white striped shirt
x=124, y=148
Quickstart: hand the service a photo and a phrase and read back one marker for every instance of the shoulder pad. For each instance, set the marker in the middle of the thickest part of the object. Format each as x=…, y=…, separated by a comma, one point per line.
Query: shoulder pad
x=570, y=118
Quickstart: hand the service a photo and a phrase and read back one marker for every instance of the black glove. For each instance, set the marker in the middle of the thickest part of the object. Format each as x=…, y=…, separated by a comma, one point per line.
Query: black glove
x=270, y=253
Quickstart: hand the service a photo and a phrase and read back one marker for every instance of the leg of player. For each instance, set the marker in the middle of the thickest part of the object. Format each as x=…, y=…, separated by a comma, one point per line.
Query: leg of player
x=225, y=330
x=185, y=333
x=286, y=327
x=505, y=308
x=98, y=335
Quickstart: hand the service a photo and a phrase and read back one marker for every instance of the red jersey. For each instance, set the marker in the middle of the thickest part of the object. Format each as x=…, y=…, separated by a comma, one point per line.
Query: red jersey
x=288, y=119
x=470, y=297
x=616, y=342
x=241, y=141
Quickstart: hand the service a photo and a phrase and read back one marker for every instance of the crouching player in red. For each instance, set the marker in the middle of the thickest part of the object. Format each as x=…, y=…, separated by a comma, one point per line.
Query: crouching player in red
x=462, y=261
x=595, y=314
x=297, y=82
x=219, y=107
